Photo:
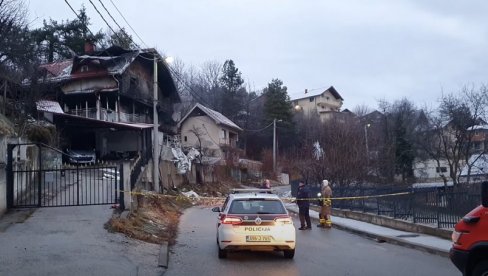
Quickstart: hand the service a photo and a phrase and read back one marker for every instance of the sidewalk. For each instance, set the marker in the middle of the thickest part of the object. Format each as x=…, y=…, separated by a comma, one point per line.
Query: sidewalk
x=418, y=241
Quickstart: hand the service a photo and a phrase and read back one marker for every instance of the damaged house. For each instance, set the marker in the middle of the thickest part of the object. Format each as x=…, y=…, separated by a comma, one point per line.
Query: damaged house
x=103, y=101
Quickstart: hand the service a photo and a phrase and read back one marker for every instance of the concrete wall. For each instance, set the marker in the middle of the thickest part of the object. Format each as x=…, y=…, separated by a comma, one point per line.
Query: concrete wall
x=121, y=141
x=393, y=223
x=210, y=133
x=426, y=170
x=171, y=179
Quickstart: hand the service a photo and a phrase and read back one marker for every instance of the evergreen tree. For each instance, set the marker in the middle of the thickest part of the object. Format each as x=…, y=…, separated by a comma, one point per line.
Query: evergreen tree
x=233, y=92
x=278, y=106
x=120, y=38
x=57, y=41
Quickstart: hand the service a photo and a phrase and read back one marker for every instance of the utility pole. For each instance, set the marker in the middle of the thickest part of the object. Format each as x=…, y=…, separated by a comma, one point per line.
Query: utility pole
x=155, y=128
x=274, y=145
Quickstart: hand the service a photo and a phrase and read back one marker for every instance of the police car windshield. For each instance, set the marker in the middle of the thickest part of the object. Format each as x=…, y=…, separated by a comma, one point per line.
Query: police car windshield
x=257, y=207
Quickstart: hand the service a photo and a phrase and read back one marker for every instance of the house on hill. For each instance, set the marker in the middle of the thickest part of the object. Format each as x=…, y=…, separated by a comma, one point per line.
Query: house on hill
x=326, y=103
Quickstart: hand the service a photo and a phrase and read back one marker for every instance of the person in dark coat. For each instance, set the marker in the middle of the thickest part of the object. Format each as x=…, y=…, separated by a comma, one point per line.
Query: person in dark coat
x=303, y=203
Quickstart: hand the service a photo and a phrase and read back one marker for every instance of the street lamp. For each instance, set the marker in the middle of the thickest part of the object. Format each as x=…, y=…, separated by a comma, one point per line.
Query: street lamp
x=366, y=138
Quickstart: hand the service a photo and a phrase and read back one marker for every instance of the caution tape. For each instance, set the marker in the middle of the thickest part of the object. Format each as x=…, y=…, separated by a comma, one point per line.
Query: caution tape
x=283, y=198
x=358, y=197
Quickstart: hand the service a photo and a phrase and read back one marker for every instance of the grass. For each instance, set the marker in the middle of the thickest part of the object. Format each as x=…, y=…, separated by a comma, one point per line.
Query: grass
x=157, y=216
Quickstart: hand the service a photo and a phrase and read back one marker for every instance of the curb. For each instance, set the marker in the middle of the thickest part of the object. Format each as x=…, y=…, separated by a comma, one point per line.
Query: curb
x=163, y=259
x=391, y=240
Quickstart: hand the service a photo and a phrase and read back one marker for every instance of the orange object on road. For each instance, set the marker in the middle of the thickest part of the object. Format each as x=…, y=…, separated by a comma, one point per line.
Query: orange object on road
x=469, y=250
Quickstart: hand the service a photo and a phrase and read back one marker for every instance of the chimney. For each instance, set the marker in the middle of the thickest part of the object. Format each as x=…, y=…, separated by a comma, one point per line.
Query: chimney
x=306, y=91
x=89, y=47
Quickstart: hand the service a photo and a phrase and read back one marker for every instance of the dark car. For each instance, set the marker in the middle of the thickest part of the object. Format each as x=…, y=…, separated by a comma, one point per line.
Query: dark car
x=81, y=156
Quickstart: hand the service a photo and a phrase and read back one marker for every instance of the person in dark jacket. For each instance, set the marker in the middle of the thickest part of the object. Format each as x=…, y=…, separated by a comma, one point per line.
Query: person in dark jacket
x=303, y=207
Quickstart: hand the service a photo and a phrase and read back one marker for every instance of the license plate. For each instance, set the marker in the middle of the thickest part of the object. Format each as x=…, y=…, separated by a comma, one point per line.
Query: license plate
x=258, y=238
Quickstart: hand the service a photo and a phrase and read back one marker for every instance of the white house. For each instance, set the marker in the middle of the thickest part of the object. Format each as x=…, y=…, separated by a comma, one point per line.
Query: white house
x=208, y=130
x=326, y=103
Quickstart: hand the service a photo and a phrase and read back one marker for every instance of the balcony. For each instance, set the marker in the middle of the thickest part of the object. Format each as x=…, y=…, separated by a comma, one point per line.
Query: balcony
x=110, y=115
x=228, y=142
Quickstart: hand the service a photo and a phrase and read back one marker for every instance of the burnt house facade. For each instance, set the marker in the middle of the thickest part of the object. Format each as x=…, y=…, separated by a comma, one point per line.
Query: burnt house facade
x=104, y=100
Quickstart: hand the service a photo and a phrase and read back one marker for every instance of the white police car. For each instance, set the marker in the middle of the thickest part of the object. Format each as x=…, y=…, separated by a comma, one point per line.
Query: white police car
x=256, y=220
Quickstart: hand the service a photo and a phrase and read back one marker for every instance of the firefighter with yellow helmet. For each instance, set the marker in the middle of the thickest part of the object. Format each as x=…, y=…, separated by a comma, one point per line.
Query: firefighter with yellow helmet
x=326, y=209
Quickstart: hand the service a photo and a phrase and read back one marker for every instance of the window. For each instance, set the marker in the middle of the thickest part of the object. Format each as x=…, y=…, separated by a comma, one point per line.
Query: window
x=441, y=169
x=186, y=139
x=477, y=146
x=311, y=99
x=327, y=98
x=256, y=206
x=84, y=68
x=223, y=134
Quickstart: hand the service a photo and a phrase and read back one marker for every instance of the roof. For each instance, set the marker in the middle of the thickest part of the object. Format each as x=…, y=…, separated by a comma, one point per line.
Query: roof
x=65, y=69
x=111, y=61
x=478, y=127
x=331, y=89
x=217, y=117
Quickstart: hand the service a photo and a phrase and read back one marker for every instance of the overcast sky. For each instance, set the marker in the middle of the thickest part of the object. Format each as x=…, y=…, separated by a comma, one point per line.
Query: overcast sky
x=368, y=50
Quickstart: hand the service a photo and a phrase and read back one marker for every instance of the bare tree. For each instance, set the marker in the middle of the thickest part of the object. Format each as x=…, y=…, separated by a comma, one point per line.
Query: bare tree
x=454, y=128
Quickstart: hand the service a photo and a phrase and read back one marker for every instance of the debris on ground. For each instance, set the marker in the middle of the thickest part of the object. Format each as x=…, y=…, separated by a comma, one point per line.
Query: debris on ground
x=155, y=220
x=191, y=194
x=157, y=216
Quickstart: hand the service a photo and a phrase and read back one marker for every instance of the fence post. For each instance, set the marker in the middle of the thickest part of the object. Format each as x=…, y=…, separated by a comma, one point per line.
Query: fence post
x=378, y=206
x=362, y=200
x=412, y=205
x=437, y=207
x=39, y=178
x=394, y=208
x=121, y=186
x=78, y=181
x=10, y=176
x=78, y=185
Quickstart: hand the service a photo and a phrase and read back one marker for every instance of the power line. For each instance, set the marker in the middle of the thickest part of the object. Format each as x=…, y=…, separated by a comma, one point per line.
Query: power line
x=258, y=130
x=77, y=16
x=190, y=89
x=103, y=18
x=115, y=21
x=128, y=24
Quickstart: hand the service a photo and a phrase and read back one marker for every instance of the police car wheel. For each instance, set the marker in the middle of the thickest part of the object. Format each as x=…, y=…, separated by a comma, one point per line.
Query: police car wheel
x=289, y=254
x=222, y=253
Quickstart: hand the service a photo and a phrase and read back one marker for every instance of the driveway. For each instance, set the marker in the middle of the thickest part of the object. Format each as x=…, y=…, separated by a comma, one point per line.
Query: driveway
x=71, y=241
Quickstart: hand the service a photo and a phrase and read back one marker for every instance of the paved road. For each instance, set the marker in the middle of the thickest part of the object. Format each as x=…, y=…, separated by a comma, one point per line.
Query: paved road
x=319, y=252
x=72, y=241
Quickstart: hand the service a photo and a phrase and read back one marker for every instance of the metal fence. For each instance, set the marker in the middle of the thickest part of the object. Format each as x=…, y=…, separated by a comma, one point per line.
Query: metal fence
x=440, y=207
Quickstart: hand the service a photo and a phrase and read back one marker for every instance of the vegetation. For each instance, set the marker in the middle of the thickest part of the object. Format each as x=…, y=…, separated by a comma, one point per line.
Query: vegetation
x=355, y=149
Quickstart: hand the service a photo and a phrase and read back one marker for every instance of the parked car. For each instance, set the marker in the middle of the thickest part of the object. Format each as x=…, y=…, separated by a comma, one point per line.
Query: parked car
x=256, y=220
x=469, y=250
x=81, y=156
